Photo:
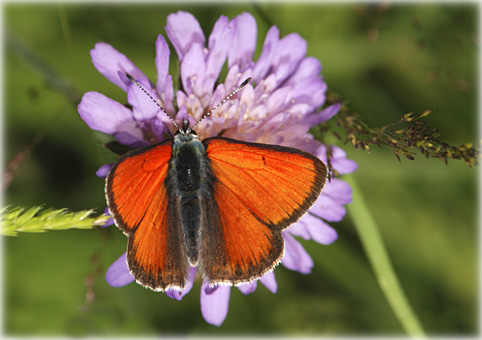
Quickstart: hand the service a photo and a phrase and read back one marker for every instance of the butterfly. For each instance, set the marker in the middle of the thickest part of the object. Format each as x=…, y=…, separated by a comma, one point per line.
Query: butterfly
x=218, y=204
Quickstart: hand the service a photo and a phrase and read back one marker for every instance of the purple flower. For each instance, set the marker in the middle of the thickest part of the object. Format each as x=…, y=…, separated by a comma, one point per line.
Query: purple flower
x=279, y=106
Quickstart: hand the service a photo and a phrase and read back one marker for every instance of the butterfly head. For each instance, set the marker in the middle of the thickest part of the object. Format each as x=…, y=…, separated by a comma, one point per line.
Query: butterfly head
x=185, y=133
x=185, y=129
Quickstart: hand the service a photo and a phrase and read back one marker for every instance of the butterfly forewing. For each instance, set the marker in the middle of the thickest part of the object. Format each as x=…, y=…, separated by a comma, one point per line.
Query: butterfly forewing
x=141, y=206
x=277, y=184
x=259, y=190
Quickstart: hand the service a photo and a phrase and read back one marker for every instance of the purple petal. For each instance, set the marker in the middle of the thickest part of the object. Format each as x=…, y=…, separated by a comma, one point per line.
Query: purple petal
x=308, y=86
x=248, y=288
x=322, y=233
x=219, y=43
x=244, y=41
x=178, y=295
x=214, y=303
x=164, y=85
x=340, y=163
x=269, y=281
x=159, y=127
x=296, y=258
x=289, y=53
x=130, y=140
x=321, y=153
x=193, y=71
x=314, y=228
x=308, y=69
x=118, y=274
x=191, y=104
x=123, y=78
x=277, y=101
x=299, y=228
x=234, y=78
x=344, y=165
x=338, y=190
x=265, y=60
x=110, y=220
x=162, y=61
x=143, y=105
x=323, y=115
x=103, y=171
x=106, y=115
x=108, y=223
x=108, y=61
x=182, y=114
x=298, y=111
x=311, y=93
x=184, y=31
x=338, y=159
x=327, y=208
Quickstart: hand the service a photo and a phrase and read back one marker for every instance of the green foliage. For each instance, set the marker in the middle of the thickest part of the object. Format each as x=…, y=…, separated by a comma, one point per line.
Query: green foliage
x=36, y=220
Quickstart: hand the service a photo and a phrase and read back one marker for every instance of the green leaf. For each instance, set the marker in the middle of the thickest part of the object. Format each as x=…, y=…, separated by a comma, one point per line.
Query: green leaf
x=36, y=220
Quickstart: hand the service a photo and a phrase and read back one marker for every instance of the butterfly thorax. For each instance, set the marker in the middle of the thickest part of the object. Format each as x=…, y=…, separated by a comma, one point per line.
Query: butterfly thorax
x=188, y=169
x=187, y=152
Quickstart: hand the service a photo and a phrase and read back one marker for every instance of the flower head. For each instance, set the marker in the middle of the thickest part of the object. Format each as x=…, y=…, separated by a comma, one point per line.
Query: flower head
x=279, y=106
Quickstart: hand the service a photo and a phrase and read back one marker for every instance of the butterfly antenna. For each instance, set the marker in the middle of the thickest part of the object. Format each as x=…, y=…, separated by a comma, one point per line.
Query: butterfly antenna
x=155, y=101
x=243, y=84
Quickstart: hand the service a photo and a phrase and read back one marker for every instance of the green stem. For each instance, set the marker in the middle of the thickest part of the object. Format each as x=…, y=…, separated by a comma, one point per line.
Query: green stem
x=372, y=242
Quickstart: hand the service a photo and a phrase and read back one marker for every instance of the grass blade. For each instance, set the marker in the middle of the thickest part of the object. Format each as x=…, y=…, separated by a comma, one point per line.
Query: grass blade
x=374, y=247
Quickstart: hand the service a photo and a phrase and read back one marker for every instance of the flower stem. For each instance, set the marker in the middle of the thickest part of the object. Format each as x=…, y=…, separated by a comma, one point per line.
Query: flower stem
x=376, y=252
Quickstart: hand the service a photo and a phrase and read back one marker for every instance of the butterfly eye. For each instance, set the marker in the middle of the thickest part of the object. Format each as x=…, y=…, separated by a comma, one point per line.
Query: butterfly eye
x=187, y=131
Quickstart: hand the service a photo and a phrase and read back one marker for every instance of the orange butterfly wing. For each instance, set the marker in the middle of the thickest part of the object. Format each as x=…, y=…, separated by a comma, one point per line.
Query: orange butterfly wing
x=138, y=200
x=259, y=190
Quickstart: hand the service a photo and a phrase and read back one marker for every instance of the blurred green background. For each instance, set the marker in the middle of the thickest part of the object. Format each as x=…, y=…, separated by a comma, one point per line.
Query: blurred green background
x=387, y=60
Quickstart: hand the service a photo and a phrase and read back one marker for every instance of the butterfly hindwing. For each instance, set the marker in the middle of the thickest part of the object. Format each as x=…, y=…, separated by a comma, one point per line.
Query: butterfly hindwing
x=258, y=190
x=142, y=208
